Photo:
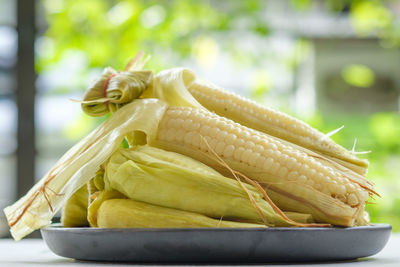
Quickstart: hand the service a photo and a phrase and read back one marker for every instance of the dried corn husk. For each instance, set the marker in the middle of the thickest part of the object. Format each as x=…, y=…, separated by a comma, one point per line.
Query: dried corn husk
x=114, y=89
x=80, y=164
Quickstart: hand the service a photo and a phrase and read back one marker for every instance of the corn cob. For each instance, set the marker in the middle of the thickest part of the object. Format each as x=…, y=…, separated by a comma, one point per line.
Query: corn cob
x=171, y=216
x=178, y=82
x=295, y=180
x=180, y=87
x=168, y=179
x=127, y=213
x=74, y=212
x=96, y=203
x=275, y=123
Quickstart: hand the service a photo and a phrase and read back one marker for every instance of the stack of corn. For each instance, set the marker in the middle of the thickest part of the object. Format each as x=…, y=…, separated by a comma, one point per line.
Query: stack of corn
x=199, y=156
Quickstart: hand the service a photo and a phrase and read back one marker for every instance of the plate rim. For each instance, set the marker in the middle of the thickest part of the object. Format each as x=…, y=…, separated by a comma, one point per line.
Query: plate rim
x=59, y=227
x=62, y=240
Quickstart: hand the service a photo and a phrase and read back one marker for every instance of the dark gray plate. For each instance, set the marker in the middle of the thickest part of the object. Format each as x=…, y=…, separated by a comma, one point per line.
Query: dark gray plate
x=217, y=244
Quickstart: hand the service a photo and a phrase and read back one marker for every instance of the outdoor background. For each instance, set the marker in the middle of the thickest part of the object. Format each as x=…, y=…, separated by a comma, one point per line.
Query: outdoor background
x=330, y=63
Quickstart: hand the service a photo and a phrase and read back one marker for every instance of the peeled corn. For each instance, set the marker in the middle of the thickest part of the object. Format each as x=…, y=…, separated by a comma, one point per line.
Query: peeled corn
x=296, y=180
x=181, y=87
x=275, y=123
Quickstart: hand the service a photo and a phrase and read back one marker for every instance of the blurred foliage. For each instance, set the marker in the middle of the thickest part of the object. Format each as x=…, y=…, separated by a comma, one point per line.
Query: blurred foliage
x=262, y=83
x=358, y=75
x=109, y=32
x=99, y=33
x=370, y=17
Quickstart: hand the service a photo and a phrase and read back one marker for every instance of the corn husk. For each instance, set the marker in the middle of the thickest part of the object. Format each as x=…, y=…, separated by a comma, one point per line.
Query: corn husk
x=97, y=202
x=114, y=89
x=146, y=174
x=74, y=213
x=300, y=217
x=171, y=86
x=79, y=165
x=127, y=213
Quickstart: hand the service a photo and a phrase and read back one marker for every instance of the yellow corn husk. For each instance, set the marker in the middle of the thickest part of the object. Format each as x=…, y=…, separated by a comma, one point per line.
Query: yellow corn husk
x=95, y=185
x=97, y=202
x=147, y=174
x=79, y=165
x=74, y=213
x=127, y=213
x=98, y=180
x=172, y=87
x=300, y=217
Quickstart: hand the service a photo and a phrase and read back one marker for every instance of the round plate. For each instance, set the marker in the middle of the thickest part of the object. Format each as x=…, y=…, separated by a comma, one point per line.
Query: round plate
x=217, y=244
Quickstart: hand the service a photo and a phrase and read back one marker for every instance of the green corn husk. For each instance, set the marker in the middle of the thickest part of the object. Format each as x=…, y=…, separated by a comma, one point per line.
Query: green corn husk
x=74, y=213
x=123, y=87
x=127, y=213
x=168, y=179
x=98, y=180
x=95, y=185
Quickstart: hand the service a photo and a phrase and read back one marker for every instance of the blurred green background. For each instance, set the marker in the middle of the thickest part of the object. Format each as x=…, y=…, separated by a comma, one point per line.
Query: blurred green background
x=330, y=63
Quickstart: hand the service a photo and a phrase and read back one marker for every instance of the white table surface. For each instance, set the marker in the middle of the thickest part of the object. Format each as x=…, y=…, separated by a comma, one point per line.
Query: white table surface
x=34, y=252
